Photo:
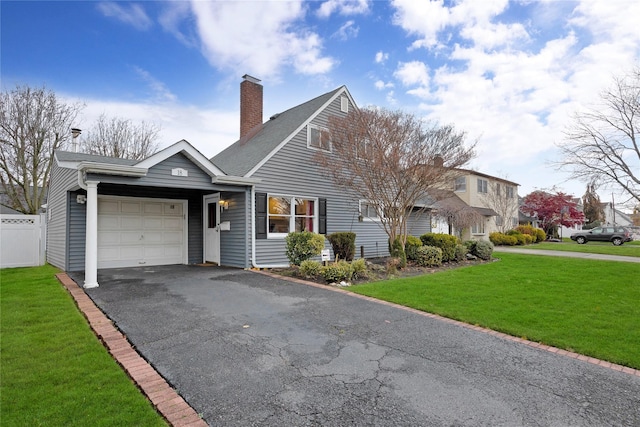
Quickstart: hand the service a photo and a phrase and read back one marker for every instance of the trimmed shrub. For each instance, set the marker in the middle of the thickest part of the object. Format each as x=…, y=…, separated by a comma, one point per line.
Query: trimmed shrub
x=483, y=250
x=310, y=268
x=538, y=235
x=397, y=251
x=446, y=242
x=337, y=272
x=470, y=245
x=343, y=244
x=303, y=245
x=461, y=252
x=429, y=256
x=413, y=243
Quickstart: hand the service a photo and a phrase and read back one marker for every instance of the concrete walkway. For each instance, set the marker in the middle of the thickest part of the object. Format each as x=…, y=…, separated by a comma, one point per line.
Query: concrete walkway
x=516, y=250
x=244, y=348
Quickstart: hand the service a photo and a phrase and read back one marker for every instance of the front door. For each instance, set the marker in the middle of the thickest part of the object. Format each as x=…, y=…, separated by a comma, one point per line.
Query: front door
x=212, y=228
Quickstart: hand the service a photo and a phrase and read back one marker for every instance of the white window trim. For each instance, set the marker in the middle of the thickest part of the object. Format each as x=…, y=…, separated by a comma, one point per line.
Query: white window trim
x=367, y=218
x=485, y=188
x=292, y=216
x=320, y=129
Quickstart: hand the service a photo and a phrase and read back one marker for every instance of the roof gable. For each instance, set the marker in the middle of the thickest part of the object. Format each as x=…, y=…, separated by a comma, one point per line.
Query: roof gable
x=247, y=155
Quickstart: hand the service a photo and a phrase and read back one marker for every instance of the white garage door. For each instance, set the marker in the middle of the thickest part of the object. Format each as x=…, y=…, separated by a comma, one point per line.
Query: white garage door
x=134, y=232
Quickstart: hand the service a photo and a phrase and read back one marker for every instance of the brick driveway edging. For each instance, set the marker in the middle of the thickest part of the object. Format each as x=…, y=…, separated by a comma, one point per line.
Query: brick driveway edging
x=163, y=397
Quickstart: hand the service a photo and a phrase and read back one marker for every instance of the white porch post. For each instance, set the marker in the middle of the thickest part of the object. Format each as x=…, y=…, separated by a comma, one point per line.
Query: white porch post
x=91, y=249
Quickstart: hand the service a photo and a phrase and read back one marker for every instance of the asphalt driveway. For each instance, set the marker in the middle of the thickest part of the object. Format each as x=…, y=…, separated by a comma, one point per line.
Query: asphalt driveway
x=246, y=349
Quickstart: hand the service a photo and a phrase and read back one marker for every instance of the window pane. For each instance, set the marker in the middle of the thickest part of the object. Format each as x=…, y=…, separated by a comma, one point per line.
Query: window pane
x=278, y=224
x=279, y=205
x=460, y=184
x=304, y=223
x=304, y=207
x=319, y=139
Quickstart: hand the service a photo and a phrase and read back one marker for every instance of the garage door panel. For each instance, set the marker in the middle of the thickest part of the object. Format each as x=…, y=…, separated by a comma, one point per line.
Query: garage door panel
x=172, y=223
x=153, y=223
x=127, y=207
x=172, y=238
x=153, y=208
x=130, y=222
x=139, y=232
x=172, y=209
x=108, y=206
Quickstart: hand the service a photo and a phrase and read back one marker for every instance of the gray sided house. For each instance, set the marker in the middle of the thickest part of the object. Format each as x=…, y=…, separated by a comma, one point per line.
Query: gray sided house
x=178, y=207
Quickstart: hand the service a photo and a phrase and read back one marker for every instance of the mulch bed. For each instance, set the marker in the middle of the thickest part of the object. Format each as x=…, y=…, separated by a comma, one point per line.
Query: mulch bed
x=377, y=270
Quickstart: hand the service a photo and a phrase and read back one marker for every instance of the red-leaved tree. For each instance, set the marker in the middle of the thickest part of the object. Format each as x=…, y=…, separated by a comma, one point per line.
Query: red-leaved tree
x=552, y=210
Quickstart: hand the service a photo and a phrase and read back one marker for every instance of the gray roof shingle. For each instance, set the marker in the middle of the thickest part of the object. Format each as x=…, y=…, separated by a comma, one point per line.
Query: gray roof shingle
x=243, y=155
x=68, y=156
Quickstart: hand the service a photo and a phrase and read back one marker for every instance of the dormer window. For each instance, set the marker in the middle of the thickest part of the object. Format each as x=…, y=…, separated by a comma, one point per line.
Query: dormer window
x=318, y=138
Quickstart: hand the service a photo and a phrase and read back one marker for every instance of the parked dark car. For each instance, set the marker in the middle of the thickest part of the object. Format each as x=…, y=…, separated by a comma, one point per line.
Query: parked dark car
x=614, y=234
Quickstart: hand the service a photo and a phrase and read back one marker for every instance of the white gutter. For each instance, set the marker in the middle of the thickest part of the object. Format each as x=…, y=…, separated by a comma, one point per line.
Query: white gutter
x=253, y=235
x=110, y=169
x=237, y=180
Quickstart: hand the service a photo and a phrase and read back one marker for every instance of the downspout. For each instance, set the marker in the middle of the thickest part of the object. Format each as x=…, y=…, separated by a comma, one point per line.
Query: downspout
x=253, y=235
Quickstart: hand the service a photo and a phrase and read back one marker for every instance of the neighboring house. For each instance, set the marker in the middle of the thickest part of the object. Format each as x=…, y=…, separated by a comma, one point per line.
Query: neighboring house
x=493, y=200
x=6, y=202
x=178, y=207
x=613, y=216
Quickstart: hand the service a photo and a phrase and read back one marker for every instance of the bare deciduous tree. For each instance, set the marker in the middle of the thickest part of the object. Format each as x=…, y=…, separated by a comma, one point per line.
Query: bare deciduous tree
x=33, y=123
x=117, y=137
x=455, y=212
x=502, y=198
x=391, y=159
x=602, y=143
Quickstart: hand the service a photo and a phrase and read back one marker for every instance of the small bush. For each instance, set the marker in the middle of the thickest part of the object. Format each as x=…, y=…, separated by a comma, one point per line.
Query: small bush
x=470, y=245
x=337, y=272
x=303, y=245
x=446, y=242
x=429, y=256
x=461, y=252
x=413, y=243
x=343, y=244
x=310, y=268
x=397, y=251
x=483, y=250
x=359, y=268
x=538, y=235
x=393, y=264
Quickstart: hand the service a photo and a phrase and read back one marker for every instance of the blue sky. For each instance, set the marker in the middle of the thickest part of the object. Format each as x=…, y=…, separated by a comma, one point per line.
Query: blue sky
x=509, y=73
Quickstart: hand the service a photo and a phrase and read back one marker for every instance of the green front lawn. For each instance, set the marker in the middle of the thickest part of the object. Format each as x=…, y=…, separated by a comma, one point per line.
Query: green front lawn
x=567, y=245
x=54, y=371
x=587, y=306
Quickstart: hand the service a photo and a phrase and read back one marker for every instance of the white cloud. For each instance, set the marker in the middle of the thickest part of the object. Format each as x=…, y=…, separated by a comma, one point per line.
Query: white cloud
x=412, y=74
x=209, y=131
x=160, y=91
x=132, y=14
x=259, y=37
x=173, y=15
x=381, y=57
x=343, y=7
x=380, y=85
x=347, y=30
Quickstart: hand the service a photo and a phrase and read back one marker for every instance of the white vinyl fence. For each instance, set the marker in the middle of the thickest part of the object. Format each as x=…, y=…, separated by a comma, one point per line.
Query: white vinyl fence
x=22, y=240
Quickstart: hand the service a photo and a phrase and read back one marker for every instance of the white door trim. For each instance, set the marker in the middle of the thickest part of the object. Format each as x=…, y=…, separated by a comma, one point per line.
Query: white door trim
x=185, y=216
x=210, y=198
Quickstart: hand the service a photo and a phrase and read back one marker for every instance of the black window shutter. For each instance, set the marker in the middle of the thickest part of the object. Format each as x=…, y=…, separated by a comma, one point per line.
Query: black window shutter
x=322, y=216
x=261, y=215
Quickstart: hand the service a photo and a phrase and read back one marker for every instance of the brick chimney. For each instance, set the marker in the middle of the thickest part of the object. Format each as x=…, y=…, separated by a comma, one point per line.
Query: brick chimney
x=250, y=104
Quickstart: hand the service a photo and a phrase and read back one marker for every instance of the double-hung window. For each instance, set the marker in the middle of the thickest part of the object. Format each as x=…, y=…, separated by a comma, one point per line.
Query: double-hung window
x=478, y=228
x=286, y=214
x=483, y=186
x=509, y=192
x=368, y=211
x=460, y=184
x=318, y=138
